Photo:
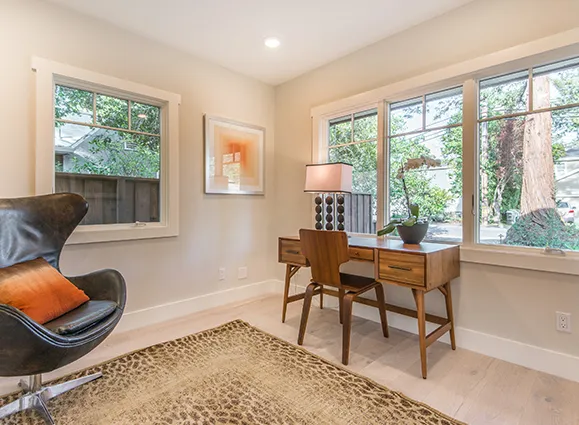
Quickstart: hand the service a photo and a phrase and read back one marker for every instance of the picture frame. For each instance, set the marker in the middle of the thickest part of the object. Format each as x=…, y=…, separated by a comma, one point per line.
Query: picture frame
x=234, y=157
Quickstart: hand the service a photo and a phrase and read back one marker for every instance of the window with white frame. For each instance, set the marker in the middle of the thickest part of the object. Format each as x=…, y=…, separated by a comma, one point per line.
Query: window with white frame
x=528, y=127
x=507, y=137
x=113, y=142
x=353, y=139
x=428, y=126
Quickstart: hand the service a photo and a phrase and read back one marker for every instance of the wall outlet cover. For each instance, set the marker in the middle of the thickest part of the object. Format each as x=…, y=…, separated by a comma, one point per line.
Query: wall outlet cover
x=221, y=273
x=563, y=322
x=242, y=273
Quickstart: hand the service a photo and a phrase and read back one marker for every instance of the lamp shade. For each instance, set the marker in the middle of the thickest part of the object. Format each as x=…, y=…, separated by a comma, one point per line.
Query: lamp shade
x=329, y=178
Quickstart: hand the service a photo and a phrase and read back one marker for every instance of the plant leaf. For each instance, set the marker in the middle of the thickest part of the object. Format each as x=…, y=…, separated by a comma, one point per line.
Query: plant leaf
x=414, y=210
x=410, y=222
x=388, y=229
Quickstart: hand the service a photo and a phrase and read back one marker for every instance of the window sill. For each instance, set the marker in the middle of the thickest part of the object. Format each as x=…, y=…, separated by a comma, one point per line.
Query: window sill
x=521, y=258
x=120, y=232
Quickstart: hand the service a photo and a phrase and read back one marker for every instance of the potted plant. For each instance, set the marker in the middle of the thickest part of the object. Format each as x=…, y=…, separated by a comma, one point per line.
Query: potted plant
x=413, y=228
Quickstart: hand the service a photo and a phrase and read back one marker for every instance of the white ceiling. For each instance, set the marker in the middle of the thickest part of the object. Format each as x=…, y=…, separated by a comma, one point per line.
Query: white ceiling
x=231, y=32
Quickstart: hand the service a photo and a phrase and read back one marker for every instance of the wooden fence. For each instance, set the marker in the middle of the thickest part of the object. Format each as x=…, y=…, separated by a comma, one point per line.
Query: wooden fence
x=358, y=215
x=114, y=199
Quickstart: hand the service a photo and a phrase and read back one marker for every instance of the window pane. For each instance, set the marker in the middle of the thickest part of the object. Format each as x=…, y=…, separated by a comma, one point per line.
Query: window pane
x=556, y=84
x=340, y=131
x=145, y=118
x=117, y=172
x=529, y=180
x=504, y=95
x=363, y=157
x=436, y=190
x=444, y=108
x=406, y=116
x=112, y=112
x=73, y=104
x=366, y=125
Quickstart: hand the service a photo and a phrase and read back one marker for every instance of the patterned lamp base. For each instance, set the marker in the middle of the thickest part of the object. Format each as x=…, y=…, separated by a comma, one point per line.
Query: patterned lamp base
x=329, y=218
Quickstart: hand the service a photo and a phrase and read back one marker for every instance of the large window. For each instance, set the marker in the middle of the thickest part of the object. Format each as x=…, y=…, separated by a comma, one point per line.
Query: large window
x=353, y=139
x=428, y=126
x=114, y=142
x=529, y=157
x=108, y=150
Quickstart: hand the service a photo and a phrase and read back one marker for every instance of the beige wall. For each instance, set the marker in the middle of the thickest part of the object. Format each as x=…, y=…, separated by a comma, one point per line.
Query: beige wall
x=510, y=303
x=215, y=230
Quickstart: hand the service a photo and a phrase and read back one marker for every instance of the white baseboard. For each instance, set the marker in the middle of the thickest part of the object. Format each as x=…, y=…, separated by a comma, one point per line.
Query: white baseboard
x=531, y=356
x=164, y=312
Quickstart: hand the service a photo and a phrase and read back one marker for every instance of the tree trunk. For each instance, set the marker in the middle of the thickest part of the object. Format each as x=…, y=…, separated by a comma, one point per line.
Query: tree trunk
x=538, y=191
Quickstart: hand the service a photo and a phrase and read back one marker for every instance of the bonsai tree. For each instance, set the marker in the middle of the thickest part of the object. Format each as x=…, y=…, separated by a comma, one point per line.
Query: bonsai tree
x=413, y=209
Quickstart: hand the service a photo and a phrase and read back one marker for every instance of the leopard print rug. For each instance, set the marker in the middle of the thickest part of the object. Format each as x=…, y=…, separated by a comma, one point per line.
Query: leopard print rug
x=233, y=374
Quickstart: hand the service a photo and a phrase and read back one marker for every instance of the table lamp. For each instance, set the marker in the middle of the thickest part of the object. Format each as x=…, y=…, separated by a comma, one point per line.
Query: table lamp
x=335, y=177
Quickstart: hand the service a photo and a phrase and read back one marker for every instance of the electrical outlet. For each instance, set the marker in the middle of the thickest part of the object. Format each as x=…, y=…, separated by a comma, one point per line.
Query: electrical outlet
x=563, y=322
x=242, y=272
x=221, y=273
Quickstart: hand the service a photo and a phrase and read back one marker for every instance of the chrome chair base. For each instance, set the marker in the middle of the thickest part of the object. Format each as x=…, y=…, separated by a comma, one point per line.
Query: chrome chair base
x=36, y=395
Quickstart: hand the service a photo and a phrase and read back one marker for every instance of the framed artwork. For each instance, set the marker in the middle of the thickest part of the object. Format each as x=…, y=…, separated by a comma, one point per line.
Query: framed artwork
x=234, y=157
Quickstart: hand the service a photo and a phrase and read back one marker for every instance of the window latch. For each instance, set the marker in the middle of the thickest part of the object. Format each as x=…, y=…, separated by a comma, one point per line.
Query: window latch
x=140, y=224
x=553, y=251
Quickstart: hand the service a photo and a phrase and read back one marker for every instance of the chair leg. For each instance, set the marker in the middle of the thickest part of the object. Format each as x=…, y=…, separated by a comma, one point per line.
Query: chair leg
x=382, y=308
x=341, y=294
x=321, y=297
x=36, y=399
x=348, y=300
x=306, y=311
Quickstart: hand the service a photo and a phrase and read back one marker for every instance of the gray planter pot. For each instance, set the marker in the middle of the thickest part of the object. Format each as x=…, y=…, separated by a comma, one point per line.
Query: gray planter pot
x=414, y=234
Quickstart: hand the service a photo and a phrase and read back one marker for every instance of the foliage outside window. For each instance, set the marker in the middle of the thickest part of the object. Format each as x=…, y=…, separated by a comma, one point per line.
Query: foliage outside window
x=429, y=126
x=529, y=157
x=107, y=149
x=353, y=140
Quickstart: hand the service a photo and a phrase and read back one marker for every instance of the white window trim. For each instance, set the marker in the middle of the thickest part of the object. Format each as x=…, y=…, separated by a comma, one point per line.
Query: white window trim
x=545, y=50
x=48, y=73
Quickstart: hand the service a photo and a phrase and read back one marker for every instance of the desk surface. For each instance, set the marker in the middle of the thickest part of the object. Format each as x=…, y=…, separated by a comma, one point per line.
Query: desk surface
x=379, y=242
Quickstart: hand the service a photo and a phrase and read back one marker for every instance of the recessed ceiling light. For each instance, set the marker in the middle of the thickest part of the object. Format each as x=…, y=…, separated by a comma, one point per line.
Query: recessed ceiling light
x=272, y=42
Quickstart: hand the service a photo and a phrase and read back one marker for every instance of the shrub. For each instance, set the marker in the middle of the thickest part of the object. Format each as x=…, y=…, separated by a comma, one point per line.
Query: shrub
x=543, y=228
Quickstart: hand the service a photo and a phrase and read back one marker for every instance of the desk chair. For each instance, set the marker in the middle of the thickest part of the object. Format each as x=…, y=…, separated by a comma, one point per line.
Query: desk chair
x=326, y=251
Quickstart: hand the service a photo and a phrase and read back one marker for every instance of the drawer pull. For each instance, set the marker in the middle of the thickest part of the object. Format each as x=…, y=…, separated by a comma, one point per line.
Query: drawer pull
x=293, y=251
x=357, y=253
x=406, y=269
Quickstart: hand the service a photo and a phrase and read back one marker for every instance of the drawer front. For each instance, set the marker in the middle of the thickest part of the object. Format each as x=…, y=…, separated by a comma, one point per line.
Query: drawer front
x=402, y=267
x=362, y=254
x=290, y=252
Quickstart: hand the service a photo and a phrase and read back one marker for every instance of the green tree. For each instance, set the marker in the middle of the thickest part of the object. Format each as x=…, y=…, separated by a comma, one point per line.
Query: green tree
x=112, y=152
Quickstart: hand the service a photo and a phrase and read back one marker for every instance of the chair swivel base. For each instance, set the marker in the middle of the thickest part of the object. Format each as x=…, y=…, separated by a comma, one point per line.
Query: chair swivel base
x=36, y=395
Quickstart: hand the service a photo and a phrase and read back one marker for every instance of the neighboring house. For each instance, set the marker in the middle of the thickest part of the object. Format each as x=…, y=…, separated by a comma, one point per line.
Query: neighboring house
x=72, y=143
x=567, y=177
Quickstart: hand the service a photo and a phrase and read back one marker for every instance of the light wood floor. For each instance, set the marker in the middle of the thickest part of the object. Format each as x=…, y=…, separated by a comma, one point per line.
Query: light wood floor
x=466, y=385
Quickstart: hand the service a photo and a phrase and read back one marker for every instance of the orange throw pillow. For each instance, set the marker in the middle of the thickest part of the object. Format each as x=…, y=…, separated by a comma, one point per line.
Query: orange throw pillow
x=39, y=290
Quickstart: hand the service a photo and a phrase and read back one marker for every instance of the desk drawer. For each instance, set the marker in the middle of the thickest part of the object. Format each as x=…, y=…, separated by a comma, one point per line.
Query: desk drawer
x=362, y=254
x=290, y=252
x=402, y=267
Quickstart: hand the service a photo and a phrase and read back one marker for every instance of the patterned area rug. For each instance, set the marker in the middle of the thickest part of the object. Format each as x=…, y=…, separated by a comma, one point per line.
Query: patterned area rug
x=233, y=374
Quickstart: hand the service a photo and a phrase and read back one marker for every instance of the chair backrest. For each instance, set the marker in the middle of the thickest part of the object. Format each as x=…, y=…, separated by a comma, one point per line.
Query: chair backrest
x=326, y=251
x=38, y=226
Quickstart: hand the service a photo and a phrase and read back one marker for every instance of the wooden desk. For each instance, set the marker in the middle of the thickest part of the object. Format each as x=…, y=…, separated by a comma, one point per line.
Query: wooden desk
x=421, y=268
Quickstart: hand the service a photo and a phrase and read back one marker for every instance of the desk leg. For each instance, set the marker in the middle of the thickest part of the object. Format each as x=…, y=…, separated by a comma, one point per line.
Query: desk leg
x=290, y=271
x=421, y=316
x=449, y=314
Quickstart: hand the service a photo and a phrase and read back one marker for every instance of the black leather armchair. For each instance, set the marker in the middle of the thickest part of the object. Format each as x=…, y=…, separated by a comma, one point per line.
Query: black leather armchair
x=38, y=227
